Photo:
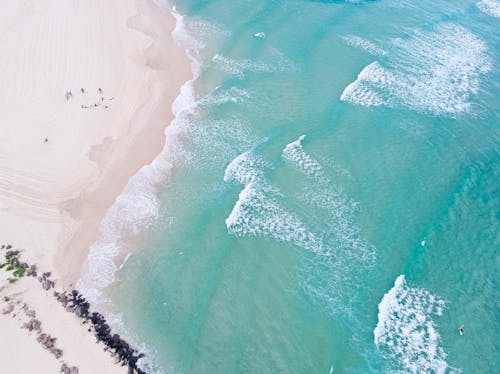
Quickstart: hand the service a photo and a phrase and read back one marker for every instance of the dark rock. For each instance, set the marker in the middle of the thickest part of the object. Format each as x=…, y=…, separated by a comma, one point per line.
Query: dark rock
x=58, y=353
x=42, y=338
x=78, y=311
x=30, y=313
x=8, y=309
x=46, y=284
x=31, y=271
x=33, y=324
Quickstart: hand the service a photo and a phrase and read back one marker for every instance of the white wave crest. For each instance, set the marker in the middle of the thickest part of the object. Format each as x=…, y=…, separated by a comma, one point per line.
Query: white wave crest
x=406, y=331
x=429, y=72
x=363, y=44
x=137, y=207
x=333, y=275
x=490, y=7
x=257, y=211
x=245, y=169
x=339, y=232
x=365, y=89
x=295, y=155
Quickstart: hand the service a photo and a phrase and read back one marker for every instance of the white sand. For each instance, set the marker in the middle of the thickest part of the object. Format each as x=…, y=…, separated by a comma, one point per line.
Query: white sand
x=53, y=194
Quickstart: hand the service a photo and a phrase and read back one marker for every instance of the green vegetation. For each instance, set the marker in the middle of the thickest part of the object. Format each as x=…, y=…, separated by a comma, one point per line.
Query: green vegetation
x=12, y=263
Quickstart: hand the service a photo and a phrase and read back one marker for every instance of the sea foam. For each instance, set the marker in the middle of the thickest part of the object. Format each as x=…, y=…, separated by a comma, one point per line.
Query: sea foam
x=294, y=154
x=137, y=207
x=258, y=212
x=428, y=72
x=275, y=62
x=490, y=7
x=334, y=274
x=363, y=44
x=339, y=230
x=406, y=332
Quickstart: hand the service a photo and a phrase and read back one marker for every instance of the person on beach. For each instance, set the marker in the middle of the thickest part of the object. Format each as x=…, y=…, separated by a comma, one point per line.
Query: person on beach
x=100, y=91
x=81, y=89
x=46, y=140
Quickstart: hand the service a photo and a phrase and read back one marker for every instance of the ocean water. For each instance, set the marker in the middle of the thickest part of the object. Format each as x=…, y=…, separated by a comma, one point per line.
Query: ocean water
x=328, y=197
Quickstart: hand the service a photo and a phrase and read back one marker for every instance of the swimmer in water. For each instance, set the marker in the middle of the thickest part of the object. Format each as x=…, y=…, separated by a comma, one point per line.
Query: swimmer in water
x=461, y=330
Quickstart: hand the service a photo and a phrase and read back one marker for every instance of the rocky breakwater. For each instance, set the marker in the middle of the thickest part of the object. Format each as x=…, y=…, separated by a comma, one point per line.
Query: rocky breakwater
x=73, y=302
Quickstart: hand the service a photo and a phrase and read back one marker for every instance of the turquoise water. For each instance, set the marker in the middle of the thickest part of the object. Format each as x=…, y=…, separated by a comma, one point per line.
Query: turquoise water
x=332, y=199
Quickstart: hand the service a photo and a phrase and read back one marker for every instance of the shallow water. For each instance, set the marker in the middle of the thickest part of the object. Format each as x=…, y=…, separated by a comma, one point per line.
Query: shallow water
x=332, y=198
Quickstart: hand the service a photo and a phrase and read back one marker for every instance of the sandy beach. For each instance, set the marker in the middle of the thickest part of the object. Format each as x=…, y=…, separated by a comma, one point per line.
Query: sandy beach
x=86, y=89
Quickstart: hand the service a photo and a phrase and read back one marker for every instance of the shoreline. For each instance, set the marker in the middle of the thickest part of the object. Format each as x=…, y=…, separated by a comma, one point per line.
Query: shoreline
x=65, y=160
x=139, y=150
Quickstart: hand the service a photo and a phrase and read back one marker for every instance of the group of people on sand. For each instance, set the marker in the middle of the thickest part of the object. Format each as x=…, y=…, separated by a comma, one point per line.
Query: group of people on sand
x=69, y=95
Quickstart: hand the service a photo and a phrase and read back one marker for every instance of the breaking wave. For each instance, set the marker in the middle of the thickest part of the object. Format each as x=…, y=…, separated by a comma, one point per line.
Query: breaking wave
x=429, y=72
x=258, y=212
x=406, y=332
x=490, y=7
x=294, y=154
x=340, y=255
x=334, y=275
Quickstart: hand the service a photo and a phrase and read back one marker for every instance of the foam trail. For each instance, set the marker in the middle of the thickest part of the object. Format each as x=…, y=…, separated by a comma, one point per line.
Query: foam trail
x=406, y=332
x=137, y=207
x=257, y=212
x=429, y=72
x=133, y=211
x=364, y=91
x=239, y=67
x=279, y=63
x=294, y=153
x=233, y=95
x=336, y=243
x=346, y=256
x=490, y=7
x=363, y=44
x=322, y=193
